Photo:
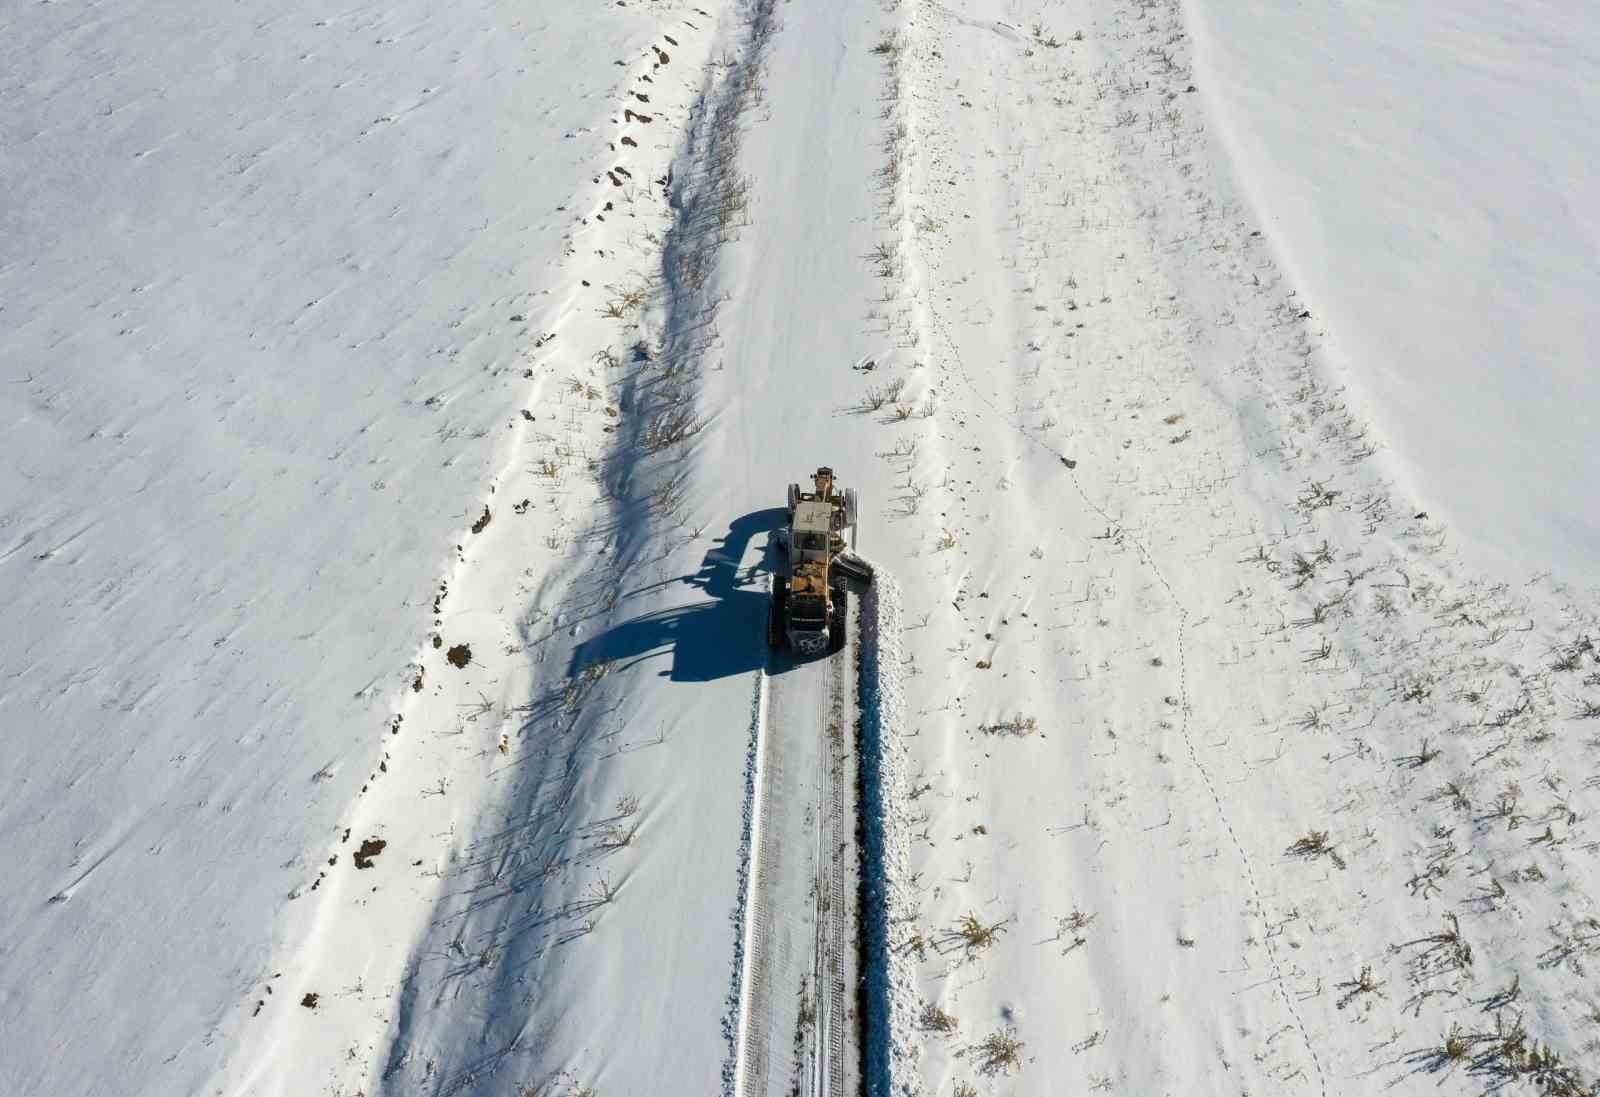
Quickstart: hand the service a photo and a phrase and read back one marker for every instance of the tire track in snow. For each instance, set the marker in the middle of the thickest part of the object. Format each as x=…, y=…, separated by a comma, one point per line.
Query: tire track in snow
x=748, y=1053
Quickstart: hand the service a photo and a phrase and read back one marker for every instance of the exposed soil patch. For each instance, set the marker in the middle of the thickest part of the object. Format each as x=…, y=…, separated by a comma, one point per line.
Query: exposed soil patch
x=369, y=849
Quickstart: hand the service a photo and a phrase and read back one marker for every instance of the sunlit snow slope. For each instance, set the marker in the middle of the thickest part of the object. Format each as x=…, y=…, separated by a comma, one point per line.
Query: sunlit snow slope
x=1427, y=173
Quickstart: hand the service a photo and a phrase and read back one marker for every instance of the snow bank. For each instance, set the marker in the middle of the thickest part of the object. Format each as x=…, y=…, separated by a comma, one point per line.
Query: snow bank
x=890, y=1055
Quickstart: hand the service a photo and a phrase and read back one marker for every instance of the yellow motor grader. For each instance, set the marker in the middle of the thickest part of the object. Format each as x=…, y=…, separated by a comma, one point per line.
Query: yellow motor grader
x=810, y=589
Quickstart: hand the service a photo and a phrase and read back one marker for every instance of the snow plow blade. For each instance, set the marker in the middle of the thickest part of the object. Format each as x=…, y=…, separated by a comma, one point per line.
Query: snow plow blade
x=853, y=567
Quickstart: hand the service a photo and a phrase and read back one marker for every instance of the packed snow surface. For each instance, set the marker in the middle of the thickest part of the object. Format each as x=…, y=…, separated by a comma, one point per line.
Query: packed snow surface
x=398, y=403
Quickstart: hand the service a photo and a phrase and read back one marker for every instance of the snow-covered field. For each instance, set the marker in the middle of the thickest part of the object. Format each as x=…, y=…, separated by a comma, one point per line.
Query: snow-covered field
x=1426, y=174
x=398, y=404
x=269, y=283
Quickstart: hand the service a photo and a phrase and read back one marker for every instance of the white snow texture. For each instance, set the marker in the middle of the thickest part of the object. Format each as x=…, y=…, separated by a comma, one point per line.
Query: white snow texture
x=397, y=402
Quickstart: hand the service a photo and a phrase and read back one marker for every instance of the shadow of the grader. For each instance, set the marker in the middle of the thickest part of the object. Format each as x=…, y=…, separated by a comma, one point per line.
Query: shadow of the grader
x=722, y=636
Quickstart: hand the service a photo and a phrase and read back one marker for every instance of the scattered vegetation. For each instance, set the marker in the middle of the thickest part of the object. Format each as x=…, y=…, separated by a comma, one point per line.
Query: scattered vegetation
x=1315, y=844
x=1363, y=984
x=934, y=1019
x=971, y=935
x=879, y=395
x=1018, y=725
x=672, y=426
x=1070, y=928
x=1000, y=1052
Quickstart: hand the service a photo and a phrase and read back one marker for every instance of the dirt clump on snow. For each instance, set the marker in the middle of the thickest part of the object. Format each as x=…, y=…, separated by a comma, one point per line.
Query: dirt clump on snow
x=369, y=849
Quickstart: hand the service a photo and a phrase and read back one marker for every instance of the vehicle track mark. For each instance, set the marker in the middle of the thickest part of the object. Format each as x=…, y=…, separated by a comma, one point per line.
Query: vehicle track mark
x=750, y=960
x=790, y=793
